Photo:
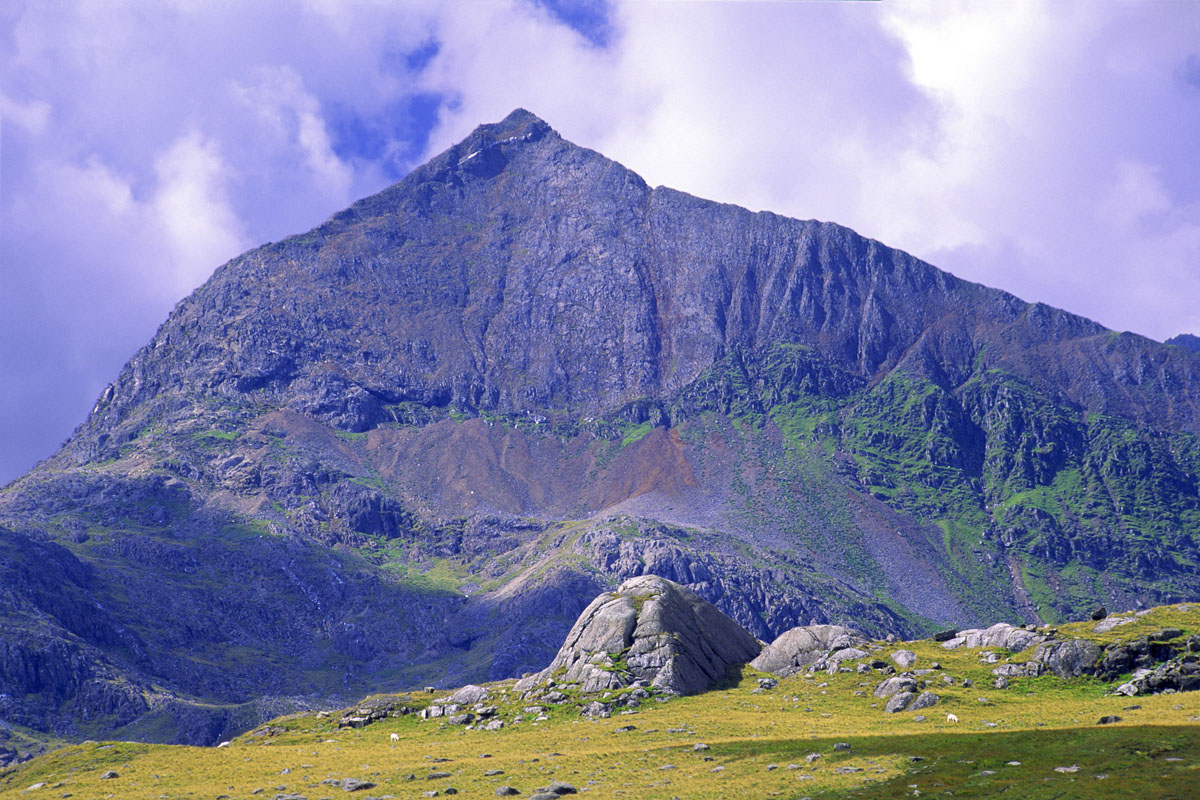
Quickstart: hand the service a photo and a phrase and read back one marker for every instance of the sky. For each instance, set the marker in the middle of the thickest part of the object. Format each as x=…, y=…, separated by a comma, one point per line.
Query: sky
x=1046, y=148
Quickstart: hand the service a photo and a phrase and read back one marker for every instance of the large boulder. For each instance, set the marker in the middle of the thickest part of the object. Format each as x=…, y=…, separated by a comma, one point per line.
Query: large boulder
x=1069, y=658
x=1000, y=635
x=650, y=629
x=805, y=646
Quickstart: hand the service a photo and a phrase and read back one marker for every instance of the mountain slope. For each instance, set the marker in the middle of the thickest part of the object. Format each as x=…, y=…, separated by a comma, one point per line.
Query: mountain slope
x=426, y=433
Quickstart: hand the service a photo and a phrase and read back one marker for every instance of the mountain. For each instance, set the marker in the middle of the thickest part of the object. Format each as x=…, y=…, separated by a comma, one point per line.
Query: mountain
x=411, y=445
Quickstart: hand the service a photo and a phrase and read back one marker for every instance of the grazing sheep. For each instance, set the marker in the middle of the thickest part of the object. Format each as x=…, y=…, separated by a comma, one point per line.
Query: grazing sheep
x=395, y=737
x=951, y=718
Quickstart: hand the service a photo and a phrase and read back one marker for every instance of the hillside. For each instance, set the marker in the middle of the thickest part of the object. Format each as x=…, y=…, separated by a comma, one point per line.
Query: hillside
x=409, y=446
x=818, y=733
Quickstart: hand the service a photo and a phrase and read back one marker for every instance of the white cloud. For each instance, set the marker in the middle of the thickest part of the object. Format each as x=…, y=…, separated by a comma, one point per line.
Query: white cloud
x=192, y=210
x=1136, y=197
x=293, y=129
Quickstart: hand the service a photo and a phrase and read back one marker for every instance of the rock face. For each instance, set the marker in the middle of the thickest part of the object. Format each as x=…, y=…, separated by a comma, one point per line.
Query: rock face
x=654, y=630
x=809, y=646
x=1069, y=658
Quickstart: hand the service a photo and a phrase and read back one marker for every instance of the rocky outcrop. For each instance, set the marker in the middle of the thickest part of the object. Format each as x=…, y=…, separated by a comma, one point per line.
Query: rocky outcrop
x=1160, y=662
x=1068, y=658
x=654, y=630
x=1002, y=635
x=813, y=646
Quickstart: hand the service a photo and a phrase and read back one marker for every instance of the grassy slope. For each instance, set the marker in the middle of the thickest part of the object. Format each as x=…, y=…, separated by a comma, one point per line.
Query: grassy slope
x=758, y=744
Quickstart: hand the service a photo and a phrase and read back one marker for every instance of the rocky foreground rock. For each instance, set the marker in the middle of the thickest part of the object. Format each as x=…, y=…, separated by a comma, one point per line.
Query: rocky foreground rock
x=650, y=630
x=810, y=646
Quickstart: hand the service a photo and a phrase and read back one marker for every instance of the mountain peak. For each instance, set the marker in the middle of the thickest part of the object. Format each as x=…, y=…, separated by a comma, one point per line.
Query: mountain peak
x=520, y=117
x=519, y=125
x=1187, y=341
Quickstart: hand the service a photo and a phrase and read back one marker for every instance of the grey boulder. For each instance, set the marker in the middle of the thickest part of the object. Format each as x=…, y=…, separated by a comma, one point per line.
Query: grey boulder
x=894, y=685
x=469, y=695
x=805, y=646
x=1009, y=637
x=650, y=629
x=1069, y=658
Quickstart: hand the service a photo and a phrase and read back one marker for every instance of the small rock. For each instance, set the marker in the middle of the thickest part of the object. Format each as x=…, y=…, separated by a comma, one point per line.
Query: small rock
x=811, y=757
x=1165, y=634
x=925, y=700
x=899, y=701
x=1108, y=719
x=1100, y=613
x=597, y=710
x=1072, y=768
x=559, y=788
x=904, y=658
x=437, y=776
x=667, y=766
x=356, y=785
x=109, y=775
x=699, y=746
x=842, y=746
x=506, y=791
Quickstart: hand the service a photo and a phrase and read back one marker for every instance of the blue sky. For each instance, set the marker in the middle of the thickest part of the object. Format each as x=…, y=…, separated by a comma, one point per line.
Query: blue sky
x=1045, y=148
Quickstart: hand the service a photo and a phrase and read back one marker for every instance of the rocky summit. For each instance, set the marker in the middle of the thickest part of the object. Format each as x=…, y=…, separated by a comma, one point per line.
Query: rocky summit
x=410, y=446
x=651, y=631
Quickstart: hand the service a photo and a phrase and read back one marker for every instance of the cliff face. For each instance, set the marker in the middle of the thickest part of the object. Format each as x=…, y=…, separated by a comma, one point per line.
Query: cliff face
x=427, y=432
x=518, y=273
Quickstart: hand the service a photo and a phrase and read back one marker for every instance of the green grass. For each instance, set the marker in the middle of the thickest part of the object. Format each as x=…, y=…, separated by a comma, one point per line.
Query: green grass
x=224, y=436
x=636, y=433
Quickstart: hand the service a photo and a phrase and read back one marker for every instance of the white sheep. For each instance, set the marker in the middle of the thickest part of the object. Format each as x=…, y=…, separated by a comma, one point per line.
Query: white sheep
x=223, y=744
x=395, y=737
x=951, y=718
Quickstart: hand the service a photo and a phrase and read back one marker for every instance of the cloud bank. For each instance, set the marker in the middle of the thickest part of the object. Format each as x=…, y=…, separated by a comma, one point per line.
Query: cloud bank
x=1043, y=148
